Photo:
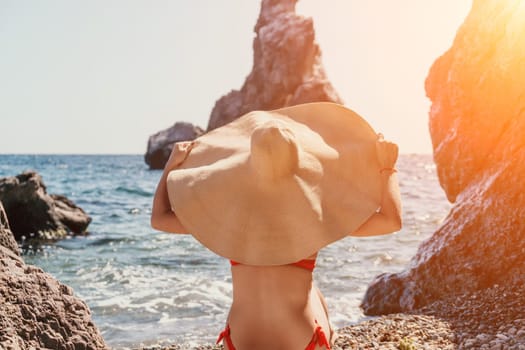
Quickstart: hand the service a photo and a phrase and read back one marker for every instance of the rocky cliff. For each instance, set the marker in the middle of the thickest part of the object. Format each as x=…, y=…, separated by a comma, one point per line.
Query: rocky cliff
x=287, y=70
x=477, y=124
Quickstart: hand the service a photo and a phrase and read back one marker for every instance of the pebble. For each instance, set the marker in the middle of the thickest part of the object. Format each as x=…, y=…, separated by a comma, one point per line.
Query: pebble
x=502, y=337
x=496, y=346
x=469, y=343
x=482, y=337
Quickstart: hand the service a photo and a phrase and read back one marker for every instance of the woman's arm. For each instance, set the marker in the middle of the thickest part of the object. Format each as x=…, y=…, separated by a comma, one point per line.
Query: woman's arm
x=388, y=218
x=162, y=217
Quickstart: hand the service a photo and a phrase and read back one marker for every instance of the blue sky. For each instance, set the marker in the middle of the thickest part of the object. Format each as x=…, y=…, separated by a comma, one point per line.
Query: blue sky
x=100, y=76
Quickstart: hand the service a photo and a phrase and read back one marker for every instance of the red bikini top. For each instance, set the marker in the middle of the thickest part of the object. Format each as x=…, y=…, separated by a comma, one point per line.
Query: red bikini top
x=307, y=264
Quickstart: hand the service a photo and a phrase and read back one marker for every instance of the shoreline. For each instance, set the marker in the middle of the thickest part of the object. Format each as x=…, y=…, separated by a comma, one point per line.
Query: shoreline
x=488, y=319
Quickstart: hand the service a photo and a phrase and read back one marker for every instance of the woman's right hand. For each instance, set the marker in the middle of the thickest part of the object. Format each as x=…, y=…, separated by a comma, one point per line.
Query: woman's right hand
x=387, y=152
x=162, y=217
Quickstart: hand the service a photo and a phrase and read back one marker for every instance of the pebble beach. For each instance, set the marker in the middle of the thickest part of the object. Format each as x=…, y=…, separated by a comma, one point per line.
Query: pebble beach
x=490, y=319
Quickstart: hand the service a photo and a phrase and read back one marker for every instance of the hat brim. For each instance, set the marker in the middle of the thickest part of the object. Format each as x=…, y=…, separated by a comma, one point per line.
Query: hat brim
x=229, y=209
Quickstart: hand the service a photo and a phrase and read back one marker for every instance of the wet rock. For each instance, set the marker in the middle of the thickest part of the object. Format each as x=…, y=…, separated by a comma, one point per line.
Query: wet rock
x=287, y=67
x=32, y=212
x=477, y=124
x=161, y=143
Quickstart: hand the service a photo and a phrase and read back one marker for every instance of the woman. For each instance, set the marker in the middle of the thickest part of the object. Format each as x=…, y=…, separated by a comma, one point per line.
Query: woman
x=276, y=305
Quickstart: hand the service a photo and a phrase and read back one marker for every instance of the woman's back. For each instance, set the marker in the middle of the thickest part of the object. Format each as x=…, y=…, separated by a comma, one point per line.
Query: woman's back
x=275, y=307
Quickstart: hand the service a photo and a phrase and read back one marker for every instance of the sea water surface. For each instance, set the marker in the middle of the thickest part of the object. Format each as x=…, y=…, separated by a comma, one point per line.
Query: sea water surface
x=145, y=287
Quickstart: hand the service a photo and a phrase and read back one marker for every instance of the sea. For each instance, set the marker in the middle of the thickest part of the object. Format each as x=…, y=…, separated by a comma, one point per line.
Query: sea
x=146, y=288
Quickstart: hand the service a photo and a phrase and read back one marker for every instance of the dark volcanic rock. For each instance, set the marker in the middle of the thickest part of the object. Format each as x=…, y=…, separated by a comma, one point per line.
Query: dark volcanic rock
x=37, y=311
x=32, y=212
x=477, y=123
x=287, y=68
x=161, y=143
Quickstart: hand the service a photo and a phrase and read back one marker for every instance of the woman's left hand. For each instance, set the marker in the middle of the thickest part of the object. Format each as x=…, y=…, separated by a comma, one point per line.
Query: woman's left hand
x=387, y=152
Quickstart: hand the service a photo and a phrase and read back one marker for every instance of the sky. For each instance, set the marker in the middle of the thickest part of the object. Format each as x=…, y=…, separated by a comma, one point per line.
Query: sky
x=101, y=76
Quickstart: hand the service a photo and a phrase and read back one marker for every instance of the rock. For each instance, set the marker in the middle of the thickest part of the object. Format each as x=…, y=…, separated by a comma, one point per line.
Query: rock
x=37, y=311
x=32, y=212
x=469, y=343
x=161, y=143
x=70, y=215
x=287, y=68
x=477, y=124
x=482, y=338
x=502, y=337
x=6, y=236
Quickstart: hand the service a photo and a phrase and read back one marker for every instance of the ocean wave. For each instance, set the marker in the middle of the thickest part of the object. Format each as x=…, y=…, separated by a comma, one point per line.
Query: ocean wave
x=134, y=191
x=108, y=241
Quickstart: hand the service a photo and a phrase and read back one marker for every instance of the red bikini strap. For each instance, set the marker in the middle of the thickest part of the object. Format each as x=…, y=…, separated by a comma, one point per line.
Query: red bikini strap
x=308, y=264
x=225, y=334
x=319, y=338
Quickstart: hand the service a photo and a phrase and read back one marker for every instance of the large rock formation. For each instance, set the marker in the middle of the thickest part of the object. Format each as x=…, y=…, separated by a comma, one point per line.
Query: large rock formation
x=287, y=68
x=161, y=143
x=37, y=311
x=477, y=123
x=34, y=213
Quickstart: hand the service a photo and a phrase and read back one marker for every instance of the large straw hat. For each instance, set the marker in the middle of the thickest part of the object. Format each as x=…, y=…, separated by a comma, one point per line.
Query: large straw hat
x=271, y=188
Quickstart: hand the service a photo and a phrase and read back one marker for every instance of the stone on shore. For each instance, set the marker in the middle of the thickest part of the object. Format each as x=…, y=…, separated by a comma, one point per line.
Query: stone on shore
x=37, y=311
x=32, y=212
x=161, y=143
x=477, y=124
